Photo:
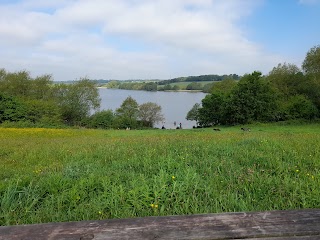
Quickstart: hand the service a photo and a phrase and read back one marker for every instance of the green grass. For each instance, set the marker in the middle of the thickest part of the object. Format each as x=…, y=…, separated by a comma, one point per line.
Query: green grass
x=50, y=175
x=183, y=85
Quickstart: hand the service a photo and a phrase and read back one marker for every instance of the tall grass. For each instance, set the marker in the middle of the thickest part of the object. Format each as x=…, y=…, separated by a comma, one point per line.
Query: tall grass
x=50, y=175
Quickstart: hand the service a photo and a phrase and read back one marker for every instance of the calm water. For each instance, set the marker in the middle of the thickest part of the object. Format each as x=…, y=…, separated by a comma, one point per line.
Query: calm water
x=175, y=105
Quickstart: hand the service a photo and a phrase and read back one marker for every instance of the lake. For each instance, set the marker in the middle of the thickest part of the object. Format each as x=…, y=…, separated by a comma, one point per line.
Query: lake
x=175, y=105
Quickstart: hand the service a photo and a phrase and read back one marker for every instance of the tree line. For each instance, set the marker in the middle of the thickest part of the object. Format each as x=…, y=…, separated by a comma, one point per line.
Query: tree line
x=192, y=83
x=27, y=102
x=286, y=93
x=201, y=78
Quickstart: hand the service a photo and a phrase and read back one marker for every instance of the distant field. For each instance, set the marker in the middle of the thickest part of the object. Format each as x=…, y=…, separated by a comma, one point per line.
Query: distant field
x=183, y=85
x=53, y=175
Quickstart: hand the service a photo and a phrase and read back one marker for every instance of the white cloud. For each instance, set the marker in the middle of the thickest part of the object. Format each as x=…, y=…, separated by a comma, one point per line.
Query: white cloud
x=98, y=38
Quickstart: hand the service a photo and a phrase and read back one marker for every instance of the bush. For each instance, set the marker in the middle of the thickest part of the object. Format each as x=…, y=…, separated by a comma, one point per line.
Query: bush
x=103, y=119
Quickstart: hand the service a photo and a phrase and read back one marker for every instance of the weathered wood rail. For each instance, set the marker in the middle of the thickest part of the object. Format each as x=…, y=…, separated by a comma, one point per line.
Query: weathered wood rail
x=279, y=225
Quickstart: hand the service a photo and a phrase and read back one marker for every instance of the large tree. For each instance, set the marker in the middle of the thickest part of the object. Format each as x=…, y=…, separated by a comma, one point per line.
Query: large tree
x=193, y=114
x=17, y=84
x=253, y=99
x=311, y=64
x=77, y=100
x=286, y=79
x=211, y=111
x=102, y=119
x=150, y=114
x=128, y=113
x=11, y=109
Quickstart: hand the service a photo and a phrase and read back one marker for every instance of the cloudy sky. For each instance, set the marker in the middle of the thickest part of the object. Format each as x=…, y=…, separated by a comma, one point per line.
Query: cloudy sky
x=148, y=39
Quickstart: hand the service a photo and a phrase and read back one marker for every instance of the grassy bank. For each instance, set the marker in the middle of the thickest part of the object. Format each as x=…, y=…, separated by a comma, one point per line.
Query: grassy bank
x=50, y=175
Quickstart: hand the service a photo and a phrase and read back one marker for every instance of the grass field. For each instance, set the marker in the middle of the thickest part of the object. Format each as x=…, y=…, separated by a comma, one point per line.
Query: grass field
x=50, y=175
x=183, y=85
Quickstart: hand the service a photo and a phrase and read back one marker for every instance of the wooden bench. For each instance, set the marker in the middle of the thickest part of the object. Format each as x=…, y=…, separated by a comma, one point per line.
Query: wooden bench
x=292, y=224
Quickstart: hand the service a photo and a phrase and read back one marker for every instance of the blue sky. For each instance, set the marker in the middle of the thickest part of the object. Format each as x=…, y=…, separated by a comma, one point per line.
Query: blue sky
x=154, y=39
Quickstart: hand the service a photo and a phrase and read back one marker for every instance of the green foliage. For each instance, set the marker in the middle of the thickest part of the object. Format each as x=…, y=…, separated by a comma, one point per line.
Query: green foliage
x=150, y=114
x=39, y=102
x=113, y=84
x=44, y=112
x=76, y=100
x=175, y=88
x=16, y=84
x=202, y=78
x=286, y=79
x=194, y=86
x=167, y=87
x=102, y=119
x=252, y=100
x=11, y=109
x=224, y=87
x=207, y=88
x=211, y=111
x=193, y=114
x=128, y=113
x=150, y=86
x=311, y=64
x=301, y=107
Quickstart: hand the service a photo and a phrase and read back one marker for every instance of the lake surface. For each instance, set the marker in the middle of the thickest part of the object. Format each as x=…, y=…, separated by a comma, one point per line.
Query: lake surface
x=175, y=105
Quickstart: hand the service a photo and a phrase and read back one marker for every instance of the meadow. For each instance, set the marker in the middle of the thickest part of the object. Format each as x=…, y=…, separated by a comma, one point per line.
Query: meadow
x=56, y=175
x=183, y=85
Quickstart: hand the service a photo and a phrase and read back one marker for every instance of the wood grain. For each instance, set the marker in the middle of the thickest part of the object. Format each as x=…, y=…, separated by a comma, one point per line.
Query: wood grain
x=292, y=224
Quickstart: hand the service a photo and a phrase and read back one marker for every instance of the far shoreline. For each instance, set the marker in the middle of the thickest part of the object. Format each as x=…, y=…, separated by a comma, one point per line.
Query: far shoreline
x=182, y=90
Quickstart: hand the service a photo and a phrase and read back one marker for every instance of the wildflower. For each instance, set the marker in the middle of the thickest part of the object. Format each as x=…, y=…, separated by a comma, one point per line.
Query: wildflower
x=297, y=170
x=154, y=206
x=173, y=177
x=100, y=212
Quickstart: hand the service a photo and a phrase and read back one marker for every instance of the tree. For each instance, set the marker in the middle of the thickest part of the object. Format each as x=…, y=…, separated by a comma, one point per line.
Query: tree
x=252, y=100
x=193, y=114
x=211, y=111
x=44, y=112
x=103, y=119
x=300, y=106
x=194, y=86
x=16, y=84
x=286, y=79
x=77, y=100
x=150, y=86
x=41, y=88
x=150, y=114
x=167, y=87
x=11, y=109
x=224, y=87
x=128, y=113
x=176, y=88
x=311, y=64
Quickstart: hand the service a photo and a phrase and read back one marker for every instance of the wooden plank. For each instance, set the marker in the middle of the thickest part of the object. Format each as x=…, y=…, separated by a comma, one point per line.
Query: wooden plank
x=293, y=224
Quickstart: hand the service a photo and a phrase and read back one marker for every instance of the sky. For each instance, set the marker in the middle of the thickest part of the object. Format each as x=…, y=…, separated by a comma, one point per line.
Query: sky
x=154, y=39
